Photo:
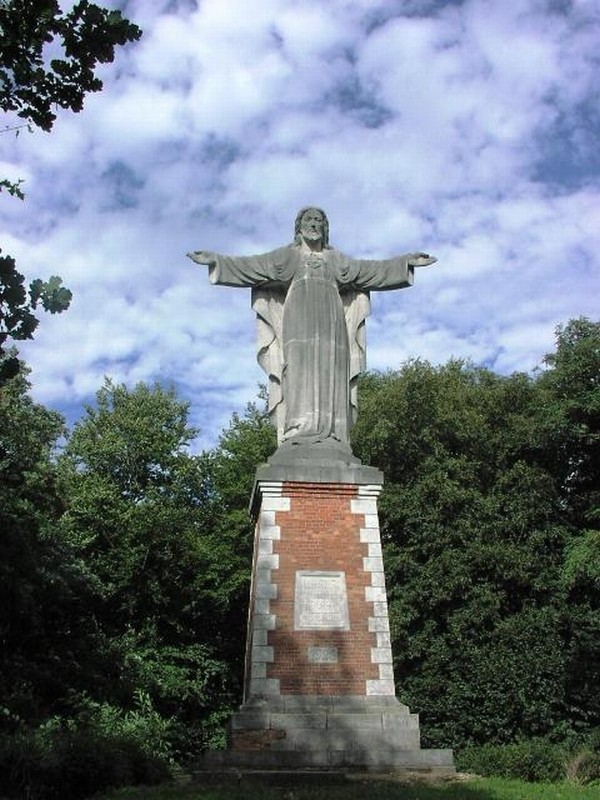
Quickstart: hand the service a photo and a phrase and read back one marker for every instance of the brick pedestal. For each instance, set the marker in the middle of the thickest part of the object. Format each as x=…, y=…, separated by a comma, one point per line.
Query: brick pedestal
x=319, y=684
x=318, y=538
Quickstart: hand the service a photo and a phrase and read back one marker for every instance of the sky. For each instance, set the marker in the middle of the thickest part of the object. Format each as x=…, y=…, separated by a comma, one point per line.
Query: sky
x=468, y=130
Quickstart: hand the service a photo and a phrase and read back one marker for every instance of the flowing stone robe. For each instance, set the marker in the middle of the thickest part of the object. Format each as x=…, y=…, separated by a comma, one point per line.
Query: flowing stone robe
x=311, y=309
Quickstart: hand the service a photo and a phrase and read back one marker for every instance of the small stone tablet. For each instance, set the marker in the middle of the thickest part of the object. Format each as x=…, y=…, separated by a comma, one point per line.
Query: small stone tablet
x=327, y=654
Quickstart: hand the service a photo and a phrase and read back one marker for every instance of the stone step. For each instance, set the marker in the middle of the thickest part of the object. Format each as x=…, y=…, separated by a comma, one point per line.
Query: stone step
x=384, y=759
x=315, y=776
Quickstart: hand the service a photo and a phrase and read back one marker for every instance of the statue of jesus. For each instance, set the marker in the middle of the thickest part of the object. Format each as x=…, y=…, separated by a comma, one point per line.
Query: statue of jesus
x=311, y=302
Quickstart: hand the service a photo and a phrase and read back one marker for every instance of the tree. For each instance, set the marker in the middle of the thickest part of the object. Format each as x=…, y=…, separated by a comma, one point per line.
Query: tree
x=46, y=638
x=474, y=540
x=17, y=306
x=48, y=58
x=143, y=515
x=31, y=81
x=570, y=443
x=571, y=393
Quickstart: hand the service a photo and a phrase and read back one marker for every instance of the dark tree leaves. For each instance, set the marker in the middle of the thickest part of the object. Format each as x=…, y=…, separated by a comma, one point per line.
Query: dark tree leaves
x=17, y=320
x=48, y=56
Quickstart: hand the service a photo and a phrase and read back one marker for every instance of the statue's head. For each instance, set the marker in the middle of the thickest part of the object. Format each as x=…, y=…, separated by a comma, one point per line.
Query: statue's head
x=298, y=224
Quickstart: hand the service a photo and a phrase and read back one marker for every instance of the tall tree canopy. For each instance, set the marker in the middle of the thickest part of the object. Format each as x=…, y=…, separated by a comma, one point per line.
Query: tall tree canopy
x=125, y=561
x=167, y=555
x=491, y=486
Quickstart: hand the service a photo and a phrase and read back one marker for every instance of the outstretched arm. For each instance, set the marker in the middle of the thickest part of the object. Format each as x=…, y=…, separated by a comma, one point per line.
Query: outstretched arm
x=240, y=270
x=203, y=257
x=391, y=273
x=420, y=259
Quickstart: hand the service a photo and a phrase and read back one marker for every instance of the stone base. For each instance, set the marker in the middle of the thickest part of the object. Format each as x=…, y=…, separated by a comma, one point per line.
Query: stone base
x=217, y=763
x=317, y=463
x=319, y=683
x=351, y=733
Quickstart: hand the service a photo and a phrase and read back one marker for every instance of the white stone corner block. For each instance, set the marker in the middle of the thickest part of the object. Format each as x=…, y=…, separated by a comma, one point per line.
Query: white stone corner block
x=363, y=505
x=264, y=686
x=380, y=608
x=372, y=564
x=266, y=520
x=371, y=521
x=260, y=637
x=259, y=670
x=262, y=605
x=386, y=672
x=266, y=590
x=370, y=535
x=381, y=655
x=378, y=579
x=275, y=504
x=375, y=594
x=380, y=688
x=265, y=622
x=269, y=532
x=265, y=546
x=265, y=653
x=374, y=549
x=379, y=625
x=267, y=561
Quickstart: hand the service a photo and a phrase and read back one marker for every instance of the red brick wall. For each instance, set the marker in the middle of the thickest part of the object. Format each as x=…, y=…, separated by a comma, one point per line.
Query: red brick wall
x=320, y=533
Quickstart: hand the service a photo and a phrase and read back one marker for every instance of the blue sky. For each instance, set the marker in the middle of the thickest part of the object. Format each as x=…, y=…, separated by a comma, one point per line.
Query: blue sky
x=465, y=129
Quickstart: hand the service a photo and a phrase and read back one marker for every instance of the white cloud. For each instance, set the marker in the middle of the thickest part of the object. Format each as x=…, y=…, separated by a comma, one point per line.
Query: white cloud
x=432, y=130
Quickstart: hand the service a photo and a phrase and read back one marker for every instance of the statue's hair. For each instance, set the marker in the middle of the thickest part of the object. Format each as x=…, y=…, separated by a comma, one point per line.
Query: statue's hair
x=300, y=214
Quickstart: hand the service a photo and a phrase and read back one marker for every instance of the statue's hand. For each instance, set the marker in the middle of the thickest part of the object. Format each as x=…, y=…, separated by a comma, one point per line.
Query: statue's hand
x=421, y=259
x=203, y=257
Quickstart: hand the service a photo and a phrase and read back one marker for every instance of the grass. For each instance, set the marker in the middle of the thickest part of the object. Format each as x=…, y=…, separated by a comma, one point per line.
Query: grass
x=475, y=789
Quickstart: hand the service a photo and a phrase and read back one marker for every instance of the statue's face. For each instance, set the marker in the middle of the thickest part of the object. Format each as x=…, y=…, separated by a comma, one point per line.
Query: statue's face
x=312, y=225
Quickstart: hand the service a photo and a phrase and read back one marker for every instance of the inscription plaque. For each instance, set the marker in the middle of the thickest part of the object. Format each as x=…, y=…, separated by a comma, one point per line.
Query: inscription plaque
x=321, y=601
x=327, y=654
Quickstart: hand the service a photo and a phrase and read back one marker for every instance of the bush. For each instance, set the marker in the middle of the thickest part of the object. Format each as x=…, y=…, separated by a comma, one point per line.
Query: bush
x=532, y=760
x=583, y=765
x=103, y=748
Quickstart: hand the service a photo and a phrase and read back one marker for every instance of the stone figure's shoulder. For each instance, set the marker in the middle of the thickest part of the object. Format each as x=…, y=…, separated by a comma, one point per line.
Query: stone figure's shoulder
x=285, y=260
x=344, y=265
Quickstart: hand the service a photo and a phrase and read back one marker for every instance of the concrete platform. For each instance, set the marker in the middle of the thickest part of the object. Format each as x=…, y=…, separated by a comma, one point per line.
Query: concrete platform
x=329, y=735
x=316, y=776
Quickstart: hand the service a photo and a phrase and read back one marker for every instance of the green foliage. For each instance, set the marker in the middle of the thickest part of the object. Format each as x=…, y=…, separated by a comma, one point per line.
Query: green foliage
x=483, y=556
x=31, y=84
x=17, y=320
x=12, y=187
x=170, y=578
x=533, y=760
x=124, y=564
x=577, y=760
x=571, y=418
x=71, y=761
x=45, y=632
x=356, y=788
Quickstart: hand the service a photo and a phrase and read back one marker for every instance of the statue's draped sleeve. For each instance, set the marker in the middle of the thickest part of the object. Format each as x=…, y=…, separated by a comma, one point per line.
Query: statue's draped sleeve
x=357, y=278
x=268, y=306
x=357, y=307
x=369, y=275
x=269, y=275
x=259, y=270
